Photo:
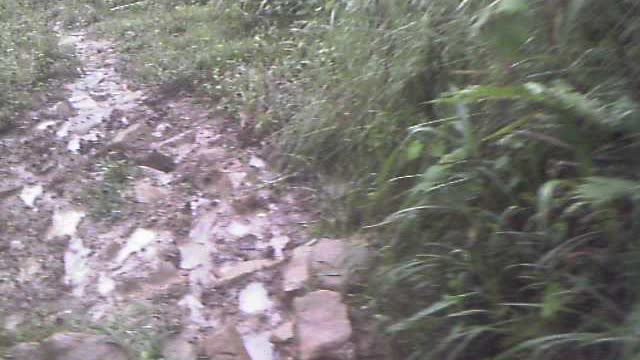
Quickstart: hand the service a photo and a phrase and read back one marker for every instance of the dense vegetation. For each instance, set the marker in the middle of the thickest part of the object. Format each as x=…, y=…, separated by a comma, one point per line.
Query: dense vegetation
x=29, y=56
x=489, y=149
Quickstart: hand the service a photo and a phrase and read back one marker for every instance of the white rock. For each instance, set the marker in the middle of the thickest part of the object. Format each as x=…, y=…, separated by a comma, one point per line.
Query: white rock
x=254, y=299
x=238, y=229
x=140, y=239
x=258, y=346
x=256, y=162
x=106, y=285
x=30, y=194
x=65, y=223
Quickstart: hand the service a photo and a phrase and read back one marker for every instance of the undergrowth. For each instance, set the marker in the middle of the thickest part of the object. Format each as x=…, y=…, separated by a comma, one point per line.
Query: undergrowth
x=29, y=57
x=488, y=146
x=106, y=201
x=135, y=327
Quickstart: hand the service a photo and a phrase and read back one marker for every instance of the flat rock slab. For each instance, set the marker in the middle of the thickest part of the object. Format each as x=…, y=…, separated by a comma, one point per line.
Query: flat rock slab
x=323, y=329
x=232, y=272
x=296, y=273
x=328, y=264
x=225, y=344
x=283, y=333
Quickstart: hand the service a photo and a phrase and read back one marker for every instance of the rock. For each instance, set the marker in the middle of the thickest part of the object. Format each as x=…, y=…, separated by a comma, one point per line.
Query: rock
x=230, y=273
x=225, y=344
x=336, y=263
x=296, y=273
x=26, y=351
x=178, y=348
x=9, y=184
x=157, y=160
x=147, y=193
x=61, y=110
x=259, y=347
x=127, y=136
x=65, y=223
x=256, y=162
x=249, y=203
x=283, y=333
x=211, y=181
x=254, y=299
x=77, y=346
x=6, y=191
x=323, y=329
x=30, y=194
x=328, y=264
x=278, y=244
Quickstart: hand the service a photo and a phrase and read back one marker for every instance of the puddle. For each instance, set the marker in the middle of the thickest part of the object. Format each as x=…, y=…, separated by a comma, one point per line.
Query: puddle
x=30, y=194
x=254, y=299
x=65, y=223
x=259, y=346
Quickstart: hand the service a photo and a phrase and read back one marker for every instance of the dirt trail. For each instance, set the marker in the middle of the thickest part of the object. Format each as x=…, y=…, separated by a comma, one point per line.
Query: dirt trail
x=201, y=235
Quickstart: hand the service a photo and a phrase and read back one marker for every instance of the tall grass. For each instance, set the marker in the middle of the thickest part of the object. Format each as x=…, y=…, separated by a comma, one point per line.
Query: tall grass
x=490, y=147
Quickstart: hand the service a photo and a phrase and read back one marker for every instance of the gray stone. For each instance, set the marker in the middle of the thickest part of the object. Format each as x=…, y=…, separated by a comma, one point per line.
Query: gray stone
x=328, y=264
x=226, y=344
x=337, y=263
x=296, y=273
x=233, y=272
x=26, y=351
x=158, y=161
x=77, y=346
x=61, y=110
x=323, y=329
x=283, y=333
x=129, y=135
x=178, y=348
x=147, y=193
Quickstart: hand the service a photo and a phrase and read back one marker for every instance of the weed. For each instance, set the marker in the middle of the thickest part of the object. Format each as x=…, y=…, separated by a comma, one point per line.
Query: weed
x=106, y=201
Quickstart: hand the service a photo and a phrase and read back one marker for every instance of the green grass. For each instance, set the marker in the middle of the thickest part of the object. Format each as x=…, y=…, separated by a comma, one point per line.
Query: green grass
x=29, y=58
x=488, y=146
x=135, y=328
x=106, y=201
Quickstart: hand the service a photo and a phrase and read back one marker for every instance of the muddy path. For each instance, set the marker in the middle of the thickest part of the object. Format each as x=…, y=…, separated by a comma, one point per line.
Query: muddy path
x=115, y=209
